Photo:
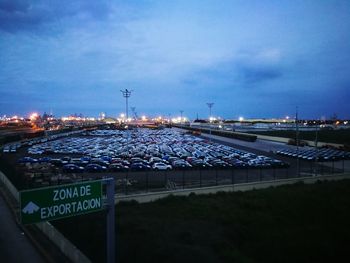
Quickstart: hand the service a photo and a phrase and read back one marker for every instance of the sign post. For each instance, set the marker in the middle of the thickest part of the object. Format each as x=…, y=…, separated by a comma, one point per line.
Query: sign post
x=110, y=220
x=50, y=203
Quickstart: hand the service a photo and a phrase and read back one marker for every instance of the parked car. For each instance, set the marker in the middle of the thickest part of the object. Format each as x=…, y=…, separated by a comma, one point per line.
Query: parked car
x=139, y=166
x=117, y=167
x=161, y=166
x=72, y=168
x=95, y=168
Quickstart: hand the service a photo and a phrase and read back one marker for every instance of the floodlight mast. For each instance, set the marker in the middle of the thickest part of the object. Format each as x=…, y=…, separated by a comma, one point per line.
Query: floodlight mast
x=126, y=94
x=210, y=105
x=297, y=139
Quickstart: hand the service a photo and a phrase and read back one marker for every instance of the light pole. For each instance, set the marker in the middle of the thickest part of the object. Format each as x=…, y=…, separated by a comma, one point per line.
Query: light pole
x=316, y=142
x=297, y=140
x=126, y=94
x=181, y=111
x=210, y=105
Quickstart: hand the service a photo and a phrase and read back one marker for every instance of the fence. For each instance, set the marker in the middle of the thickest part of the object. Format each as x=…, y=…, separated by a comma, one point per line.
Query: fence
x=155, y=181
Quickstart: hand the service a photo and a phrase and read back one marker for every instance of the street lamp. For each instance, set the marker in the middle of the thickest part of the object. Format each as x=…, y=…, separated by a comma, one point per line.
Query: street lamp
x=210, y=105
x=297, y=139
x=181, y=111
x=126, y=94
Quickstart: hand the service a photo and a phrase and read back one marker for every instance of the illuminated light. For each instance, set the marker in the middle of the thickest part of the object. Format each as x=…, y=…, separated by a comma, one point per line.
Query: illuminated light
x=346, y=122
x=287, y=117
x=337, y=123
x=122, y=115
x=144, y=118
x=220, y=127
x=284, y=120
x=33, y=116
x=241, y=119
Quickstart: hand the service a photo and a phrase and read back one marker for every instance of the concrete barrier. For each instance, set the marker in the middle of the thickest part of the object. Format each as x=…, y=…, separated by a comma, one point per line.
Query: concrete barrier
x=9, y=186
x=149, y=197
x=66, y=247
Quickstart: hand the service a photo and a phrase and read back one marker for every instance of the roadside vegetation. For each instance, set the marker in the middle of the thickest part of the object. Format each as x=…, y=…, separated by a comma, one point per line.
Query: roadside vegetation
x=295, y=223
x=329, y=136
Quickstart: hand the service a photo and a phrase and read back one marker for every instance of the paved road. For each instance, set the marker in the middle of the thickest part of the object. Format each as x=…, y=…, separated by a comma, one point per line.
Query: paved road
x=14, y=245
x=262, y=145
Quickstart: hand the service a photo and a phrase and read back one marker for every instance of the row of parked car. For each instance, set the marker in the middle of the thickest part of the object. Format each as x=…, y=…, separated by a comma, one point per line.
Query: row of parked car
x=13, y=147
x=143, y=149
x=312, y=154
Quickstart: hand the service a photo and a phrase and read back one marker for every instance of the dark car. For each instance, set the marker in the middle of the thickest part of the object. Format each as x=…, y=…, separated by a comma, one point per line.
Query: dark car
x=72, y=168
x=140, y=166
x=118, y=167
x=95, y=168
x=27, y=160
x=44, y=160
x=57, y=162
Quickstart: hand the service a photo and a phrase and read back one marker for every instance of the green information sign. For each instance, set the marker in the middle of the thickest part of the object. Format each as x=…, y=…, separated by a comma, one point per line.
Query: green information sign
x=50, y=203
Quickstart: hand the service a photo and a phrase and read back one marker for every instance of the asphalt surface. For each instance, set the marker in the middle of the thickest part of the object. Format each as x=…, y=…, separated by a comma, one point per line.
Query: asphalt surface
x=15, y=246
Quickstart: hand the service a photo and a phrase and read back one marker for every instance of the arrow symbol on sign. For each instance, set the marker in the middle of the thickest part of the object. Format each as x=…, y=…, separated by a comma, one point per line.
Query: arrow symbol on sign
x=30, y=208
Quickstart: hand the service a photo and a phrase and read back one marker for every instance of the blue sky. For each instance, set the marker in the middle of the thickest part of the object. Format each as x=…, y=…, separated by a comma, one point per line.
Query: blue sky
x=250, y=58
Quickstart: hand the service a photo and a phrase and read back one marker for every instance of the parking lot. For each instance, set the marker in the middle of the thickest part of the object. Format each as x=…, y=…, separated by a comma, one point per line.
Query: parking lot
x=145, y=160
x=312, y=154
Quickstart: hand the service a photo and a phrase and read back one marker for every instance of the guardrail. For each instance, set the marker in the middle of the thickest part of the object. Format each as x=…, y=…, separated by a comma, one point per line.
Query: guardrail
x=66, y=247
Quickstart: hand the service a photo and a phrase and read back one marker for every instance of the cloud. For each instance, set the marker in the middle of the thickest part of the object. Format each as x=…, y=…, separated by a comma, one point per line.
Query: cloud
x=254, y=75
x=24, y=15
x=243, y=69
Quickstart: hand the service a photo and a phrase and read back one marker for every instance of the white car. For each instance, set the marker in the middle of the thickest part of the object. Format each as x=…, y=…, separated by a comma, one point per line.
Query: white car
x=161, y=166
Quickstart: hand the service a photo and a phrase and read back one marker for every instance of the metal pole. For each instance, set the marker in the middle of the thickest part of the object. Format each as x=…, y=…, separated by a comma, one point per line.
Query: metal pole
x=181, y=111
x=126, y=94
x=316, y=142
x=147, y=182
x=210, y=105
x=232, y=176
x=110, y=220
x=260, y=174
x=183, y=179
x=297, y=140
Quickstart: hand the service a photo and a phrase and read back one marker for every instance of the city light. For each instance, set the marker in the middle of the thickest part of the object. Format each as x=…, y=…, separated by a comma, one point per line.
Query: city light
x=33, y=116
x=241, y=119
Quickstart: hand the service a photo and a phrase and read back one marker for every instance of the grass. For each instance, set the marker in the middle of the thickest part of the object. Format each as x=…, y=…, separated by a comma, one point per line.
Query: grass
x=296, y=223
x=330, y=136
